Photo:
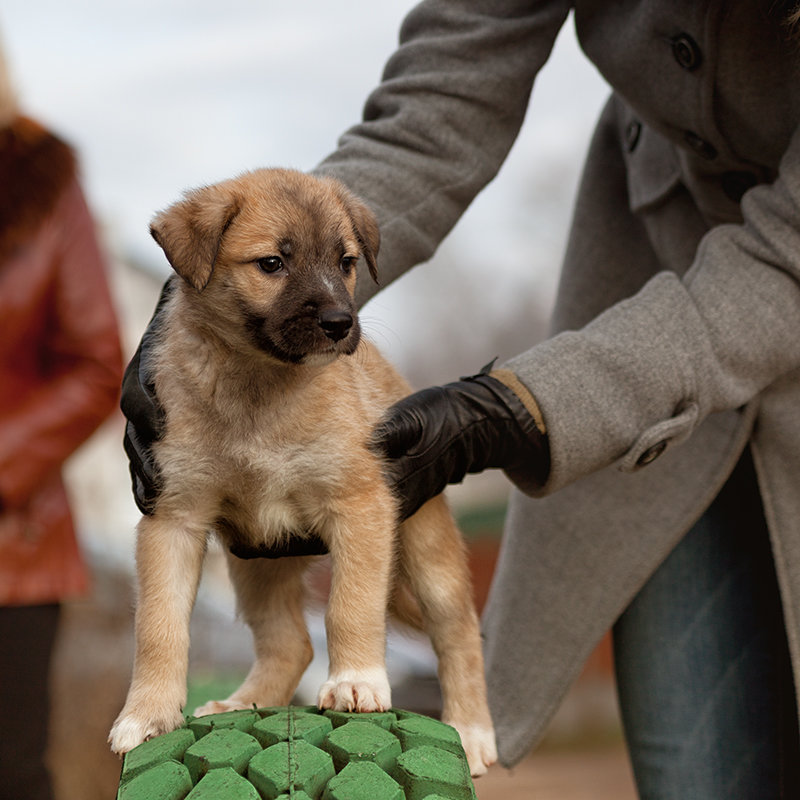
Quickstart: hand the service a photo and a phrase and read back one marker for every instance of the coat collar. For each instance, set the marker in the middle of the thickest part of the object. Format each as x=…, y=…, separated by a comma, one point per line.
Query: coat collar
x=35, y=169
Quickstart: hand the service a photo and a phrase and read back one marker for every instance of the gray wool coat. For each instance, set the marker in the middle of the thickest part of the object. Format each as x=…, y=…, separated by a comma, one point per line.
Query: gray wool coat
x=679, y=304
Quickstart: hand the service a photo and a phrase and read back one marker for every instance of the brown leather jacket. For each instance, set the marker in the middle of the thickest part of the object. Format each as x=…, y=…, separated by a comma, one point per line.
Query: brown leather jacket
x=60, y=360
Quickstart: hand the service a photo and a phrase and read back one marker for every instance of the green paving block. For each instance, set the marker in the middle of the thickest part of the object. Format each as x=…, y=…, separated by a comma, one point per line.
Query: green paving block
x=167, y=781
x=292, y=724
x=218, y=747
x=266, y=711
x=300, y=709
x=383, y=718
x=427, y=770
x=242, y=720
x=227, y=747
x=294, y=796
x=288, y=765
x=223, y=784
x=418, y=731
x=169, y=747
x=363, y=780
x=436, y=797
x=362, y=741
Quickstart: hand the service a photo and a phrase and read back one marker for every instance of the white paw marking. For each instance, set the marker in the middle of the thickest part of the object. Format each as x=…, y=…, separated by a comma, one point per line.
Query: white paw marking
x=353, y=690
x=219, y=707
x=131, y=729
x=479, y=745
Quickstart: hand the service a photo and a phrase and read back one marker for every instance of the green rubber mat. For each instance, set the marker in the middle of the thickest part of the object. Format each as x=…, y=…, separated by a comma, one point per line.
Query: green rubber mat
x=300, y=753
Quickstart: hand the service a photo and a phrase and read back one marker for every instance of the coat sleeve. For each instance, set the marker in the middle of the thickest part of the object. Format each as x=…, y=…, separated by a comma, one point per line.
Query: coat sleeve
x=83, y=351
x=645, y=373
x=439, y=126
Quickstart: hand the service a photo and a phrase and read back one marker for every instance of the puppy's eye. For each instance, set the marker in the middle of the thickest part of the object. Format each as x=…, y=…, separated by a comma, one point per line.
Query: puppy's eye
x=270, y=264
x=347, y=264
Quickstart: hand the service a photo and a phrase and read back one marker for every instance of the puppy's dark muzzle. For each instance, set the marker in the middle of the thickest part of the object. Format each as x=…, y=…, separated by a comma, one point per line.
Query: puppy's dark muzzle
x=335, y=324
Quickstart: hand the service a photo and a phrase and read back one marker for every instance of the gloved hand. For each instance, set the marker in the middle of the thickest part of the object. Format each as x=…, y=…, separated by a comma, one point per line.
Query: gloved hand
x=145, y=417
x=436, y=436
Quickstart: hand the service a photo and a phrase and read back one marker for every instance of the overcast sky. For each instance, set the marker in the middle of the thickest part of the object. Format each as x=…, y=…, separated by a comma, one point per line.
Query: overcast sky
x=161, y=95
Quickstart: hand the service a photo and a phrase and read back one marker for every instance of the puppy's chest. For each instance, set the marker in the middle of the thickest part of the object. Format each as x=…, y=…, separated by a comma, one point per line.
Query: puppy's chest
x=278, y=440
x=279, y=464
x=272, y=486
x=270, y=458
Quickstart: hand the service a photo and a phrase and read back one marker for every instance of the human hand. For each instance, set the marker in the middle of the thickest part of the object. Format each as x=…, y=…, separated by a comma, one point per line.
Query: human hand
x=145, y=417
x=436, y=436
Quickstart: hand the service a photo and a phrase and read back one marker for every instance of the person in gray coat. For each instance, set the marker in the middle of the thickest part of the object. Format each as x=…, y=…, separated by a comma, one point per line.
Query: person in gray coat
x=654, y=438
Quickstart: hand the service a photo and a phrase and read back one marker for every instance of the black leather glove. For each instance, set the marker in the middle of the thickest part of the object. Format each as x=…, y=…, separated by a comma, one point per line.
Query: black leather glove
x=436, y=436
x=145, y=417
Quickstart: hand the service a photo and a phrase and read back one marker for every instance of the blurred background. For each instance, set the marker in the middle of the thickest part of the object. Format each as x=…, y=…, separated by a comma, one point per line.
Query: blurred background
x=158, y=97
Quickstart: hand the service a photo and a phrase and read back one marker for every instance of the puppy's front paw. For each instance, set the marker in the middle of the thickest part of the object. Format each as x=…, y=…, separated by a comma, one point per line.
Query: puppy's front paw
x=479, y=745
x=220, y=706
x=132, y=728
x=353, y=690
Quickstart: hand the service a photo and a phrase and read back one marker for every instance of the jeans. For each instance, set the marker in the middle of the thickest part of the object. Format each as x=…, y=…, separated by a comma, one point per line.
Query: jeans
x=27, y=636
x=703, y=671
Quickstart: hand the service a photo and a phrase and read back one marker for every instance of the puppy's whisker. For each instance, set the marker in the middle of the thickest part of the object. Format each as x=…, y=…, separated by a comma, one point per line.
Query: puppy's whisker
x=379, y=330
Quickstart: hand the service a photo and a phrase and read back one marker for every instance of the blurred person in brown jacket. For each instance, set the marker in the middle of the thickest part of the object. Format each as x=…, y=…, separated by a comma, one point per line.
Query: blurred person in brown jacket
x=60, y=368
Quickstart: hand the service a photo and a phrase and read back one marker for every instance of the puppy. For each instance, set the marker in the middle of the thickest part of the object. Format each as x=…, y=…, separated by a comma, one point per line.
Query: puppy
x=270, y=395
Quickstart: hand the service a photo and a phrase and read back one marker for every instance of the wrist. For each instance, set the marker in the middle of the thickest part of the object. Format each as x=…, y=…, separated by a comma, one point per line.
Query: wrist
x=510, y=380
x=525, y=446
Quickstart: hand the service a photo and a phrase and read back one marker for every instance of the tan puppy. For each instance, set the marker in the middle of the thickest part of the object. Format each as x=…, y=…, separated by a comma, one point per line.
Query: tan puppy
x=270, y=396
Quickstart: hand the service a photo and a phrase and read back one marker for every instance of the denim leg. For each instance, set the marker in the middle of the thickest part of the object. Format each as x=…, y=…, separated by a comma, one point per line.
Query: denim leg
x=703, y=671
x=27, y=636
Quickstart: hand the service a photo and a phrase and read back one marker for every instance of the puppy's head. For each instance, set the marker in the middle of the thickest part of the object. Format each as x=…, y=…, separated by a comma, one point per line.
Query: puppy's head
x=272, y=258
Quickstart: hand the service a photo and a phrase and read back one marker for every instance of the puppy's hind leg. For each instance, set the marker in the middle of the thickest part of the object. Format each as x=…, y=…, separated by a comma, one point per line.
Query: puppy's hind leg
x=433, y=560
x=270, y=596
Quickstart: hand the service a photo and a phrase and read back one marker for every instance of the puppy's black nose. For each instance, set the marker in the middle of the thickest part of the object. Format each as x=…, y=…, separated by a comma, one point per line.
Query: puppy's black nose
x=336, y=324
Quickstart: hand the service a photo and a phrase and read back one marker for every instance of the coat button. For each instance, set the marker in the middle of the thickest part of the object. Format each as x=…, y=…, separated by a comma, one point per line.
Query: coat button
x=686, y=52
x=651, y=454
x=735, y=184
x=700, y=146
x=632, y=133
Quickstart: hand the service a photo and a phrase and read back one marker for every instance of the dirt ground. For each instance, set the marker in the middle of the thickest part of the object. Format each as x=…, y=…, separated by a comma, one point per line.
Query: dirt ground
x=595, y=774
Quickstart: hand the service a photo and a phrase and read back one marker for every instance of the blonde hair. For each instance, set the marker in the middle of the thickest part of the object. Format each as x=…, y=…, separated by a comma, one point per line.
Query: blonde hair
x=8, y=98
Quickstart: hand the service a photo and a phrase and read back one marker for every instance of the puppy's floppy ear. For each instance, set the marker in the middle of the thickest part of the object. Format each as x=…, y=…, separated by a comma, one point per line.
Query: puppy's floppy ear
x=190, y=231
x=367, y=231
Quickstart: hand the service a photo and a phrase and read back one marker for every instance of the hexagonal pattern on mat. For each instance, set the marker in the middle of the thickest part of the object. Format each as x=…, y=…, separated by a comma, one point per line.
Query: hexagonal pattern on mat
x=300, y=753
